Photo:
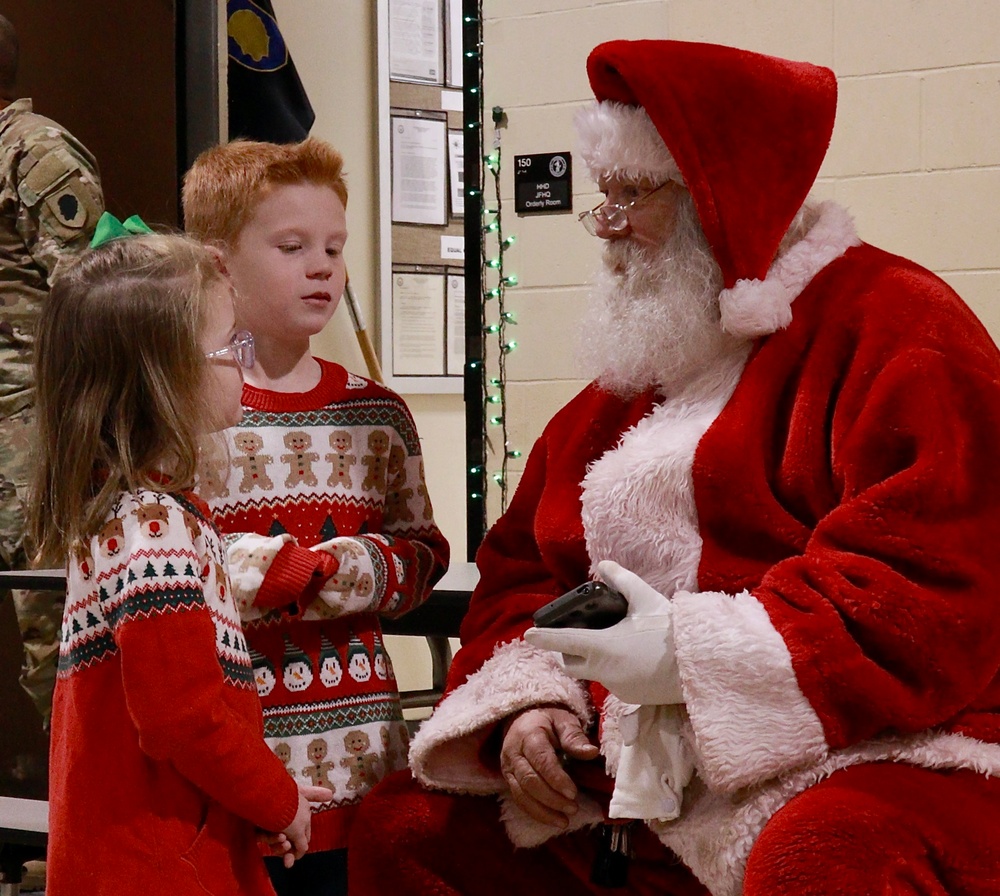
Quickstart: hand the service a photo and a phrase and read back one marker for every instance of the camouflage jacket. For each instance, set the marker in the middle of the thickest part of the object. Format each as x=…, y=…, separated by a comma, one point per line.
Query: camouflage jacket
x=50, y=200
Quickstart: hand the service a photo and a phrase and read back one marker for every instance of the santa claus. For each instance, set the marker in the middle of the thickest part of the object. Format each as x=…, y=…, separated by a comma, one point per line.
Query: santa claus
x=787, y=464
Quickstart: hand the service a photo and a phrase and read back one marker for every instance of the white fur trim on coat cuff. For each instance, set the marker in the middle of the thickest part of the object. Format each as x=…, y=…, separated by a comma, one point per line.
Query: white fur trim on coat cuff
x=445, y=750
x=751, y=720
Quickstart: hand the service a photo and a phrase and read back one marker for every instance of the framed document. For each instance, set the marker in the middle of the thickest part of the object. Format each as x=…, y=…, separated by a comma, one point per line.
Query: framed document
x=455, y=319
x=416, y=41
x=418, y=334
x=419, y=169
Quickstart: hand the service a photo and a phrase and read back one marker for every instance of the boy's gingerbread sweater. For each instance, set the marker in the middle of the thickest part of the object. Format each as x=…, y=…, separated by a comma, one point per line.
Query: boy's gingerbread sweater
x=329, y=526
x=158, y=774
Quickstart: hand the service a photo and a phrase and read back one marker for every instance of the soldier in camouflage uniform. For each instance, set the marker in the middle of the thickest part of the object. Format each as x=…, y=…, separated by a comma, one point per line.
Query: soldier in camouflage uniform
x=50, y=200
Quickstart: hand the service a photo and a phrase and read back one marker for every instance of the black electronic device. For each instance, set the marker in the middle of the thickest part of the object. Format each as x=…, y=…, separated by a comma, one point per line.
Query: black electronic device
x=592, y=605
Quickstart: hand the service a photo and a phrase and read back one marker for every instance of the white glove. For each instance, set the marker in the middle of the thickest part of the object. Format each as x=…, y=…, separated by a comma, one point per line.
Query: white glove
x=634, y=659
x=655, y=764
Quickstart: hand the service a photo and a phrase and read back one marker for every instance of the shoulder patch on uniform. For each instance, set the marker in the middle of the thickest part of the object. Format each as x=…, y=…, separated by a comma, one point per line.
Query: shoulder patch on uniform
x=67, y=208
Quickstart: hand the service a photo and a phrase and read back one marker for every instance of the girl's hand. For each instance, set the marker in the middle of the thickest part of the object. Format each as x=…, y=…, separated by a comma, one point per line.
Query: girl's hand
x=277, y=844
x=297, y=833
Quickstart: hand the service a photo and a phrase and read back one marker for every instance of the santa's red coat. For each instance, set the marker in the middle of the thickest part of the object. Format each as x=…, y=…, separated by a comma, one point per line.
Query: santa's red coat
x=847, y=515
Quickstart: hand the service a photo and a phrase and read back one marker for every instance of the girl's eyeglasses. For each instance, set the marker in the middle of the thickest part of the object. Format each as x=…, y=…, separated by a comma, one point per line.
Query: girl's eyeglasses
x=614, y=217
x=240, y=347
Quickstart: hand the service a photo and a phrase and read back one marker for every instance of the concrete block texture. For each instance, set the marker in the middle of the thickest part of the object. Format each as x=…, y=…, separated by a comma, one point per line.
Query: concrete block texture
x=945, y=220
x=960, y=124
x=878, y=126
x=912, y=35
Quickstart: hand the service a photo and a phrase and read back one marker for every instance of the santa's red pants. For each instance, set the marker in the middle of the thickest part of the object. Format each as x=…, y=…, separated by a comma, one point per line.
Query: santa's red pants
x=871, y=829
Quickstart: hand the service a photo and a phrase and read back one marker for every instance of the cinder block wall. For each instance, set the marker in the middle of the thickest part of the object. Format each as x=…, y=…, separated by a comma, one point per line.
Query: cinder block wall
x=915, y=154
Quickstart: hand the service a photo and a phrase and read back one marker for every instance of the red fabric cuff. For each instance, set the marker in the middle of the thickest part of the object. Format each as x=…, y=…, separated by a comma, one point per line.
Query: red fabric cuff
x=291, y=575
x=326, y=566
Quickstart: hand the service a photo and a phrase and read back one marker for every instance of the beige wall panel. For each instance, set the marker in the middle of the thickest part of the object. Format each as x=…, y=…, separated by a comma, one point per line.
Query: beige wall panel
x=961, y=124
x=878, y=127
x=441, y=423
x=570, y=254
x=511, y=8
x=531, y=405
x=795, y=29
x=873, y=36
x=534, y=59
x=947, y=221
x=551, y=317
x=981, y=290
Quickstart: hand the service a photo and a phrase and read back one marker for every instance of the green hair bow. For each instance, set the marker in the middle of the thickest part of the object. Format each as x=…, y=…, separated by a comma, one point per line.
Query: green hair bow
x=110, y=228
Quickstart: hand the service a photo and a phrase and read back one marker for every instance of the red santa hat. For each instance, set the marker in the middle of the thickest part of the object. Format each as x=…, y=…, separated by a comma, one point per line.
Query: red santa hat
x=746, y=132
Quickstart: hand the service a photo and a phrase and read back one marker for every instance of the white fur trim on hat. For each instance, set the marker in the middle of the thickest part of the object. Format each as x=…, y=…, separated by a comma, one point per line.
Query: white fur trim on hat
x=622, y=142
x=753, y=308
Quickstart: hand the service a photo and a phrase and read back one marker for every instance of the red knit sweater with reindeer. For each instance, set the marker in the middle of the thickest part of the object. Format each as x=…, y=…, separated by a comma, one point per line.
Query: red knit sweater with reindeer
x=330, y=525
x=159, y=776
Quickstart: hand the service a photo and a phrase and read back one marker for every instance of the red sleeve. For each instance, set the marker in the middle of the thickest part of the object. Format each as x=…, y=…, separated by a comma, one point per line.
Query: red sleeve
x=294, y=577
x=177, y=697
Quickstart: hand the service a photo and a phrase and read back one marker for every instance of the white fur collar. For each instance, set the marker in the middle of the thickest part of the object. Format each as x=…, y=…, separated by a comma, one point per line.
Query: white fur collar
x=753, y=308
x=638, y=498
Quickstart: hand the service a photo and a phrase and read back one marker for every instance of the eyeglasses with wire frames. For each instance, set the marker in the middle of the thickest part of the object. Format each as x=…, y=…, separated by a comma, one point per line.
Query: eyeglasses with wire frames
x=613, y=216
x=240, y=347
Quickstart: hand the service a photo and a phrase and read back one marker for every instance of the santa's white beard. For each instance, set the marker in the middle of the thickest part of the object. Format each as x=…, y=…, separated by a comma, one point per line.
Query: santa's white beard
x=653, y=315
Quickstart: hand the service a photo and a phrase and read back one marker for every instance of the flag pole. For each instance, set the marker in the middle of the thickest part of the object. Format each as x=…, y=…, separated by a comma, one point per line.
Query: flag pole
x=364, y=340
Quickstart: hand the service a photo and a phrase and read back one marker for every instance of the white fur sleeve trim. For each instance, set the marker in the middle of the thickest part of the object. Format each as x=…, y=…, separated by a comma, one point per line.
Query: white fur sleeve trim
x=753, y=308
x=445, y=750
x=751, y=720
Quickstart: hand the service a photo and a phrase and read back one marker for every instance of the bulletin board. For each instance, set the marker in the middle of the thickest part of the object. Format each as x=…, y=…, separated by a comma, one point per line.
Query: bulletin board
x=421, y=195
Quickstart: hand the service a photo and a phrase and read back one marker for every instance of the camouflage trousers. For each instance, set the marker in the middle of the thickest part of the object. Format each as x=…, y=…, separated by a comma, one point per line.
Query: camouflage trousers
x=39, y=613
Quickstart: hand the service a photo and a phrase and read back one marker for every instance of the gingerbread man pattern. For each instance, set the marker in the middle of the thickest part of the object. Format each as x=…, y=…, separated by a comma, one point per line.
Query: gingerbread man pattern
x=341, y=442
x=362, y=764
x=319, y=771
x=377, y=462
x=253, y=464
x=299, y=459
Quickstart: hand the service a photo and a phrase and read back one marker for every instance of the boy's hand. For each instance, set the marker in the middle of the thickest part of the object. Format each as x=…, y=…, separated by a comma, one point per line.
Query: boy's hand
x=297, y=833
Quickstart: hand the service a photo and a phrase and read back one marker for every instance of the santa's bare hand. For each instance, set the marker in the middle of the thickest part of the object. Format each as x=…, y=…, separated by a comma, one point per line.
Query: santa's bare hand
x=530, y=762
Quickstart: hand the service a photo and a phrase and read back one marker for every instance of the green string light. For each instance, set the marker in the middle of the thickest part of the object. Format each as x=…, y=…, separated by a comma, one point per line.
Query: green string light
x=493, y=259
